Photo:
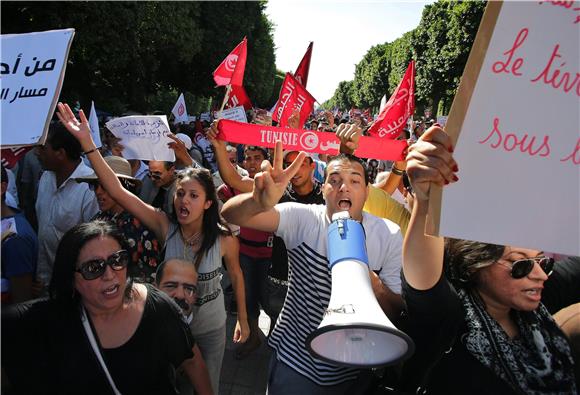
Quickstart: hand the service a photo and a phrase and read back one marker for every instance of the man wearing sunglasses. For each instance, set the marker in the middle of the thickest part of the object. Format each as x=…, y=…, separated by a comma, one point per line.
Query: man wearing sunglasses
x=159, y=186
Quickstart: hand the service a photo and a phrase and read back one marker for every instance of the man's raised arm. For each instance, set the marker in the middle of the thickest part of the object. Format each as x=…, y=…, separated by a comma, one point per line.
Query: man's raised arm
x=256, y=209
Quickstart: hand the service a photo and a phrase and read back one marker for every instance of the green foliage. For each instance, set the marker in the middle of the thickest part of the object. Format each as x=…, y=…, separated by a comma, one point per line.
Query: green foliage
x=440, y=46
x=137, y=55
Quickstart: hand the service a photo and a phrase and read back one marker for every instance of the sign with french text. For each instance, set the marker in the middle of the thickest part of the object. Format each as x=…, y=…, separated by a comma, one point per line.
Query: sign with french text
x=32, y=67
x=143, y=136
x=516, y=118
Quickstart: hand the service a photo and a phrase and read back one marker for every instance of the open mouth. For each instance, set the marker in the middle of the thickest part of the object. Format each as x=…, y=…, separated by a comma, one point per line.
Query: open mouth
x=112, y=290
x=183, y=212
x=344, y=204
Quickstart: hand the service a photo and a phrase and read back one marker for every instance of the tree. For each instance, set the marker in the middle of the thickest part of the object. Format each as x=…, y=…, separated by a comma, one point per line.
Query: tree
x=135, y=55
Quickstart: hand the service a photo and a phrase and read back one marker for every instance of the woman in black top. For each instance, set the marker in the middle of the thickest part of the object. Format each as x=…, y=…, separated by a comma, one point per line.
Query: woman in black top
x=485, y=331
x=139, y=331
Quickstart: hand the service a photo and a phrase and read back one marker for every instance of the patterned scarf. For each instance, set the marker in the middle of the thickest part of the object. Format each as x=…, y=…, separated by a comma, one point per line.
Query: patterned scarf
x=538, y=361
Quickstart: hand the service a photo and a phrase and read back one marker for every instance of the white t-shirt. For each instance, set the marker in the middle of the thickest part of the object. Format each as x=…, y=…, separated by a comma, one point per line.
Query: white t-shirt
x=58, y=210
x=304, y=231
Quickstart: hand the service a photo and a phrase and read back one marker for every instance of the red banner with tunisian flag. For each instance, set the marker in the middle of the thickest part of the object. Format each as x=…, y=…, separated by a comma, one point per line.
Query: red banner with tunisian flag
x=301, y=73
x=398, y=109
x=231, y=69
x=292, y=96
x=308, y=140
x=239, y=97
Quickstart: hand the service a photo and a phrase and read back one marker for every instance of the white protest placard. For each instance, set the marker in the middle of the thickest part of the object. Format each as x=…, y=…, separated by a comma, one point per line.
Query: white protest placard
x=205, y=116
x=143, y=136
x=32, y=67
x=234, y=114
x=518, y=111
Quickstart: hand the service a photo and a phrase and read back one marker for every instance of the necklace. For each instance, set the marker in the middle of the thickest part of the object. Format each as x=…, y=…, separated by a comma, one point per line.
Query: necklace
x=191, y=240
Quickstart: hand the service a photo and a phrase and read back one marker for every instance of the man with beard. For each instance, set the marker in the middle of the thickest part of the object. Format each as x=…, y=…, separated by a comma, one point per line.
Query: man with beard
x=178, y=279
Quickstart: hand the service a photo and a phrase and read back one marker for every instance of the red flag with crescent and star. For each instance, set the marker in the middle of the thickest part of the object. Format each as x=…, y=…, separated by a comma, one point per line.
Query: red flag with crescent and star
x=398, y=109
x=231, y=69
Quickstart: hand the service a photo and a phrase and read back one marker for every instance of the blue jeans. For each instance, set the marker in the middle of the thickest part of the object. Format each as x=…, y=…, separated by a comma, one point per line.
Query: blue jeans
x=283, y=380
x=255, y=272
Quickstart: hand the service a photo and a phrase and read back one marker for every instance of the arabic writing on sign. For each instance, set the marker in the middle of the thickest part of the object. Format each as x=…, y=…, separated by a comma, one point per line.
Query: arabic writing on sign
x=22, y=93
x=30, y=70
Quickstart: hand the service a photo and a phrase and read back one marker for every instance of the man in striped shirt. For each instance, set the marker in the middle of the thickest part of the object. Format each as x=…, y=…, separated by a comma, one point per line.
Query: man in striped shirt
x=304, y=230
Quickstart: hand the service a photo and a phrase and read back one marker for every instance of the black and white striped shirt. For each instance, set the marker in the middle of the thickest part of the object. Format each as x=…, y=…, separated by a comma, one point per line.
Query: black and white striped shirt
x=303, y=228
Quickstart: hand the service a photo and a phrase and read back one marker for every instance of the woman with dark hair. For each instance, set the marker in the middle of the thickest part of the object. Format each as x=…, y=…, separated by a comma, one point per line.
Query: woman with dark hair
x=195, y=233
x=94, y=334
x=482, y=329
x=143, y=244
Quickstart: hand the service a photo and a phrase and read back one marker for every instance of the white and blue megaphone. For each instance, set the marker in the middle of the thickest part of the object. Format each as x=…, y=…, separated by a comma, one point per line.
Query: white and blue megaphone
x=354, y=331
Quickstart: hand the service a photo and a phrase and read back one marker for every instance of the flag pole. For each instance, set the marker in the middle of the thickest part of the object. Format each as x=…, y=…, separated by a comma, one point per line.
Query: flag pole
x=226, y=97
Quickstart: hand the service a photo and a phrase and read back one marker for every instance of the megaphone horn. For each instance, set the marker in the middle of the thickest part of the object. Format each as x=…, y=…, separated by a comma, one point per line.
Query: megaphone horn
x=354, y=331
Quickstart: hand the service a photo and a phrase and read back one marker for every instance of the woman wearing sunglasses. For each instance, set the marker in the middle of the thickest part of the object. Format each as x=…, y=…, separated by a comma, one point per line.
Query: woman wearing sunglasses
x=482, y=329
x=194, y=232
x=98, y=333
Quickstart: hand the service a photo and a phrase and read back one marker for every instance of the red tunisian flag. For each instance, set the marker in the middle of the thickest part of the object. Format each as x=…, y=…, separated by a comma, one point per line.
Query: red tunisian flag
x=231, y=69
x=398, y=109
x=301, y=73
x=238, y=97
x=292, y=96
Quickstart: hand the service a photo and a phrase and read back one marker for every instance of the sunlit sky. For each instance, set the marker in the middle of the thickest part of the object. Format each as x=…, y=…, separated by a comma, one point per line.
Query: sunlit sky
x=342, y=31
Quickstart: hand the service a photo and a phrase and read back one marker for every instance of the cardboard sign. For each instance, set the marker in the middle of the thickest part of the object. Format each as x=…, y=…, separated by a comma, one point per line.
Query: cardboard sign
x=518, y=111
x=234, y=114
x=32, y=67
x=143, y=136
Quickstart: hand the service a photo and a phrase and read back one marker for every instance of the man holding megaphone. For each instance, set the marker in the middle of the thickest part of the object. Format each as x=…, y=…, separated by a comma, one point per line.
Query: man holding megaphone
x=293, y=369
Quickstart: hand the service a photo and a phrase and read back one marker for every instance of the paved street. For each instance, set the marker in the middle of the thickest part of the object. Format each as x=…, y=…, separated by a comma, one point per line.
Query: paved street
x=247, y=376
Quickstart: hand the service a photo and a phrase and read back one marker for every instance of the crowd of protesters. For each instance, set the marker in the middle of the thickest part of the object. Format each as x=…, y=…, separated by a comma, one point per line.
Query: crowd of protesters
x=112, y=269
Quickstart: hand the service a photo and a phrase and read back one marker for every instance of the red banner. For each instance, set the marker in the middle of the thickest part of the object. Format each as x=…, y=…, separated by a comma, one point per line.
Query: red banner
x=231, y=69
x=398, y=109
x=301, y=73
x=292, y=96
x=308, y=140
x=12, y=155
x=238, y=97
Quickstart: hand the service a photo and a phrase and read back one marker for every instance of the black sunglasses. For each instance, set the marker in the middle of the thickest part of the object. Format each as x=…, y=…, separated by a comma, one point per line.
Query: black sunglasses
x=522, y=267
x=95, y=268
x=154, y=176
x=127, y=184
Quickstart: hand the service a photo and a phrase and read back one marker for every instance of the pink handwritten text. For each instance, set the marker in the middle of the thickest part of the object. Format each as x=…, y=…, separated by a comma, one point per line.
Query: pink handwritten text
x=574, y=156
x=566, y=4
x=555, y=77
x=510, y=141
x=502, y=67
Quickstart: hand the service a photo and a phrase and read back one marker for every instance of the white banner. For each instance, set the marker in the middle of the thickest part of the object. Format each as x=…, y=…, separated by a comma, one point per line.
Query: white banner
x=234, y=114
x=143, y=136
x=32, y=67
x=179, y=110
x=519, y=148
